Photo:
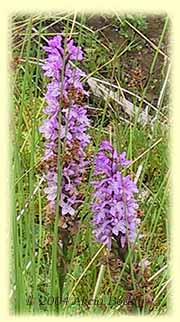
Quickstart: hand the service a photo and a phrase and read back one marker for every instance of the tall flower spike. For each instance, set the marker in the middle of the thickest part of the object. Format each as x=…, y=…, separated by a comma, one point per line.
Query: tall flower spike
x=114, y=206
x=65, y=93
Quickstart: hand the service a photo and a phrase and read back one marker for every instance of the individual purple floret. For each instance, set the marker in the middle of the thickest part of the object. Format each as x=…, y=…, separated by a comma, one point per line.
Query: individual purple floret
x=64, y=94
x=114, y=206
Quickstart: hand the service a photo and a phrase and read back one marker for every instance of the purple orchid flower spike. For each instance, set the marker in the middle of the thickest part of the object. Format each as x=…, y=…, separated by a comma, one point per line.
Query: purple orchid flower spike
x=65, y=93
x=114, y=206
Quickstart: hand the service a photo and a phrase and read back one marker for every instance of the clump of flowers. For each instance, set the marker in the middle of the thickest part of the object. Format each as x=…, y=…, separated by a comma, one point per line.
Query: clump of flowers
x=65, y=94
x=114, y=206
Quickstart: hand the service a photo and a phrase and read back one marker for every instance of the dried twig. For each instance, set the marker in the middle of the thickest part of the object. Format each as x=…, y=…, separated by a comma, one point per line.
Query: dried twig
x=100, y=90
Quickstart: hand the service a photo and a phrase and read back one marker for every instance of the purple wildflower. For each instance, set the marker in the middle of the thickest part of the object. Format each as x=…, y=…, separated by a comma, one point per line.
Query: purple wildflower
x=65, y=93
x=114, y=206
